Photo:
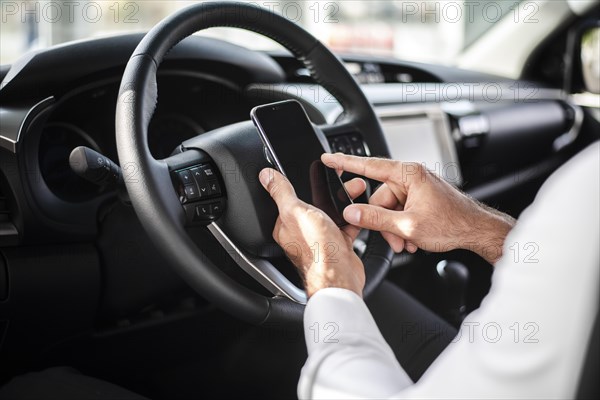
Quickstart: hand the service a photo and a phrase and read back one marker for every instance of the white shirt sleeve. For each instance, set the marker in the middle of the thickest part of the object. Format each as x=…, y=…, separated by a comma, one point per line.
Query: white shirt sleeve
x=527, y=340
x=348, y=357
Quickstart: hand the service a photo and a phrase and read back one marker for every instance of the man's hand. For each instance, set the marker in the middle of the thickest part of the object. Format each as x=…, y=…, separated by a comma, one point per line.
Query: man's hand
x=414, y=208
x=320, y=250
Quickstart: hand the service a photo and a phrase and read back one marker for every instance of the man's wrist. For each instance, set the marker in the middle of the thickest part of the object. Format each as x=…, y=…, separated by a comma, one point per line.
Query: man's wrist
x=322, y=276
x=489, y=233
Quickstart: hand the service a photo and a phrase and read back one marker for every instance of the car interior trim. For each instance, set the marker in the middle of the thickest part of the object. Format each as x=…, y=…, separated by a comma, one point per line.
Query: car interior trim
x=258, y=268
x=15, y=122
x=569, y=137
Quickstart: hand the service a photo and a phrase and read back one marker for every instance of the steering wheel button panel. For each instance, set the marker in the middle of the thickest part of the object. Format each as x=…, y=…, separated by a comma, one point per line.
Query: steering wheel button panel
x=358, y=150
x=191, y=192
x=355, y=139
x=214, y=188
x=216, y=208
x=186, y=177
x=208, y=172
x=358, y=145
x=352, y=143
x=200, y=192
x=203, y=211
x=198, y=175
x=204, y=189
x=340, y=145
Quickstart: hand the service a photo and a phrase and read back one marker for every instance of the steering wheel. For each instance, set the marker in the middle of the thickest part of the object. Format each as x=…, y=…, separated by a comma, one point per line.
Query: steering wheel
x=212, y=180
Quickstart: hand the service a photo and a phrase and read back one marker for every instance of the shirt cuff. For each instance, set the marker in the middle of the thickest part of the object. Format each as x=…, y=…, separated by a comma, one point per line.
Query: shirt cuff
x=332, y=313
x=347, y=355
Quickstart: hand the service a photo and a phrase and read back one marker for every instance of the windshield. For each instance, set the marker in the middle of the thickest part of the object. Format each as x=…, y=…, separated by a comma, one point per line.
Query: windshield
x=427, y=31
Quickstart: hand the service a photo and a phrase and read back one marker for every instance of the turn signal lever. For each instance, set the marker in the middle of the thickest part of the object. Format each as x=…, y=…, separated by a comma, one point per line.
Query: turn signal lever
x=98, y=169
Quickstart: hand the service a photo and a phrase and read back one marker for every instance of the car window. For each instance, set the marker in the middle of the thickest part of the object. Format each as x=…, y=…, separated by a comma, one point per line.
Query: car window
x=429, y=31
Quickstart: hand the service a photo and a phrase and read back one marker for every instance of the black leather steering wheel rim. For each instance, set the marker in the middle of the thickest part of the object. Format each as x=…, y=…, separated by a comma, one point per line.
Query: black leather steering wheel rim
x=148, y=181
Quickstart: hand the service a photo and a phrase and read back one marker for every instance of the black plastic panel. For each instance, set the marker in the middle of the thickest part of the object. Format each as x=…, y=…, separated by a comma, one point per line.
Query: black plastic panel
x=3, y=280
x=520, y=135
x=135, y=274
x=54, y=294
x=56, y=69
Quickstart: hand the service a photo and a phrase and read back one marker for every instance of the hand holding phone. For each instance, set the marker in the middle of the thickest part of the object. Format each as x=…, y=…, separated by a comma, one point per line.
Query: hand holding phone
x=295, y=150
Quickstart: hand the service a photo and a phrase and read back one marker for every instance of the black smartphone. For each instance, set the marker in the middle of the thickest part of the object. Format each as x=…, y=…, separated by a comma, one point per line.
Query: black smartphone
x=293, y=147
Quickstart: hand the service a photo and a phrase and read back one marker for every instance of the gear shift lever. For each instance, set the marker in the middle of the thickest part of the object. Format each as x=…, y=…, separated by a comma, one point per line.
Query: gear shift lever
x=455, y=277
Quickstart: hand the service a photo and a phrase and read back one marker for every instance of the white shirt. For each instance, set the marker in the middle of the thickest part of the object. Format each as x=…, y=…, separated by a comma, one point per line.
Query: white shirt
x=527, y=340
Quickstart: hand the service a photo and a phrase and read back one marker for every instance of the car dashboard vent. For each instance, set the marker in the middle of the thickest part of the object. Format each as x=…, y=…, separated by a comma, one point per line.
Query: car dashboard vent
x=4, y=208
x=8, y=231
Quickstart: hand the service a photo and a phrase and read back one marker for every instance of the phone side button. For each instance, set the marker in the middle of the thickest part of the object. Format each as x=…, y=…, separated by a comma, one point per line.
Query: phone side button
x=268, y=156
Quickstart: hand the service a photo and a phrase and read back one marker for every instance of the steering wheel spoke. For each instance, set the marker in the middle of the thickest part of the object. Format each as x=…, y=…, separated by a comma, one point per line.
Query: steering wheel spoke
x=260, y=269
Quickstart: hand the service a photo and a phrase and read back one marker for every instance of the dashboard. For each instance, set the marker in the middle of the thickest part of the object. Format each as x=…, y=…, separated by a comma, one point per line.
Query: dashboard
x=474, y=130
x=189, y=105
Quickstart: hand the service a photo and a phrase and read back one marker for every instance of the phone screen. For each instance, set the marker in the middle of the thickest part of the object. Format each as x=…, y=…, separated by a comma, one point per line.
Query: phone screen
x=295, y=149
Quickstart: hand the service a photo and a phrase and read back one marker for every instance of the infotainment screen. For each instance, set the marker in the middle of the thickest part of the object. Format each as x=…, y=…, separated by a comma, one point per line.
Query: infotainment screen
x=423, y=138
